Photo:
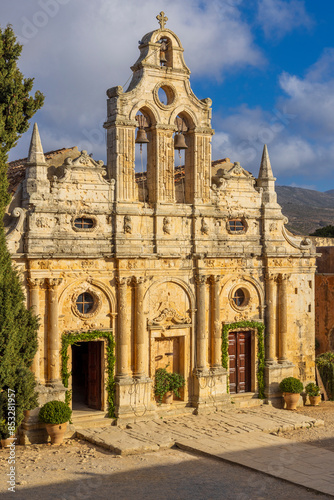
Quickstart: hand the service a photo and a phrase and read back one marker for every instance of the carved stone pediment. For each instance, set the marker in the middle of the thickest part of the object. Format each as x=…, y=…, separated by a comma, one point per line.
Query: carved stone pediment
x=84, y=160
x=168, y=315
x=237, y=171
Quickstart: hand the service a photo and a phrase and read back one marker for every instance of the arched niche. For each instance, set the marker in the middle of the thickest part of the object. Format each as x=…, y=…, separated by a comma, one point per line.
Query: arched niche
x=100, y=316
x=184, y=123
x=170, y=329
x=252, y=291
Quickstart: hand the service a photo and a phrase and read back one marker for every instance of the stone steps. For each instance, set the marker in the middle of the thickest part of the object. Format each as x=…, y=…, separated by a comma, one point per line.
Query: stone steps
x=246, y=400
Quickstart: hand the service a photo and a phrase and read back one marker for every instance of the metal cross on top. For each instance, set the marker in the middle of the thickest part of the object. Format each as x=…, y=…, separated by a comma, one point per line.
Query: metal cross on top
x=162, y=19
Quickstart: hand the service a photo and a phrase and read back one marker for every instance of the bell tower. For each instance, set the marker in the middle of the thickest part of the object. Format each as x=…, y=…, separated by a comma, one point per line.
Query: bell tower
x=160, y=91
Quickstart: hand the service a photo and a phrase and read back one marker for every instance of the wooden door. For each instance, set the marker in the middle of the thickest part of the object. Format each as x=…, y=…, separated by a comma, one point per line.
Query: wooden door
x=239, y=350
x=94, y=374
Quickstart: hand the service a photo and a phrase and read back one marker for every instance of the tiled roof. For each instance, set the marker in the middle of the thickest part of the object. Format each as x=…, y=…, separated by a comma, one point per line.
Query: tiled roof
x=16, y=169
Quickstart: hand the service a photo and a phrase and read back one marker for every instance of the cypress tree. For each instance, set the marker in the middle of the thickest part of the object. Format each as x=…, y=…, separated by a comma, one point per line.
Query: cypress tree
x=18, y=325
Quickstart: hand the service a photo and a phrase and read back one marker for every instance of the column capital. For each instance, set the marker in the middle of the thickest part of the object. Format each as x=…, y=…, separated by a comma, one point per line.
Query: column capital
x=215, y=279
x=139, y=280
x=123, y=281
x=53, y=283
x=283, y=277
x=271, y=277
x=35, y=282
x=200, y=279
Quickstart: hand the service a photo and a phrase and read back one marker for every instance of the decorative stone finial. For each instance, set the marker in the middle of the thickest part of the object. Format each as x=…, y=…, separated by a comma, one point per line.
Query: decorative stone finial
x=265, y=169
x=36, y=155
x=162, y=19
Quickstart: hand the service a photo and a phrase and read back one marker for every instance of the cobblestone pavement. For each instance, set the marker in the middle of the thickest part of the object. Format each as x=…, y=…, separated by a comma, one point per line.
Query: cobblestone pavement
x=222, y=441
x=246, y=437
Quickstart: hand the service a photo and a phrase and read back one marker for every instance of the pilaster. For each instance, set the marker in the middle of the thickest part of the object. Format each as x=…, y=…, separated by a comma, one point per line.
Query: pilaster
x=53, y=333
x=201, y=333
x=34, y=286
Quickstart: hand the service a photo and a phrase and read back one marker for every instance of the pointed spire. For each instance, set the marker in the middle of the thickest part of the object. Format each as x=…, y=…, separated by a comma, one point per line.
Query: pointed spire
x=36, y=155
x=265, y=169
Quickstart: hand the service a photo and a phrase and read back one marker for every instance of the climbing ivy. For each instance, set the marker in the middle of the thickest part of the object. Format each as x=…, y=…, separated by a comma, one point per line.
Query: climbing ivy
x=74, y=337
x=254, y=325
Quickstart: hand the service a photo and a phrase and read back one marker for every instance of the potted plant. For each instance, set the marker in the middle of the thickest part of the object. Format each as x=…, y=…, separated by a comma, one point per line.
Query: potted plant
x=55, y=414
x=291, y=388
x=313, y=392
x=167, y=384
x=5, y=436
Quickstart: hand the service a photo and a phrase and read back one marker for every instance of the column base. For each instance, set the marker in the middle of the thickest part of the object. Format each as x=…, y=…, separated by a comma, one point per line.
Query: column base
x=210, y=388
x=133, y=400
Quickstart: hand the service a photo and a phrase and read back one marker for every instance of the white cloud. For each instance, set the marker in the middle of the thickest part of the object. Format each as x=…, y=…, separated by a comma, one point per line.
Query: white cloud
x=279, y=17
x=81, y=48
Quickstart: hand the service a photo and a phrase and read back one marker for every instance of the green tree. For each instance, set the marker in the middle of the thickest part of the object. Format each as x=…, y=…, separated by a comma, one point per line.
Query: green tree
x=325, y=232
x=18, y=325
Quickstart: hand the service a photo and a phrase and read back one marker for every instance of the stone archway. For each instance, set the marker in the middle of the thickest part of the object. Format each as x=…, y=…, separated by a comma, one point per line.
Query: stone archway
x=169, y=330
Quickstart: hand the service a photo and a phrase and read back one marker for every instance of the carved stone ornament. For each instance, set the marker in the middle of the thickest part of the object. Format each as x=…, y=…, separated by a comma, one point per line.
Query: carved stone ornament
x=86, y=287
x=19, y=214
x=35, y=282
x=169, y=315
x=166, y=225
x=127, y=224
x=53, y=283
x=204, y=227
x=83, y=160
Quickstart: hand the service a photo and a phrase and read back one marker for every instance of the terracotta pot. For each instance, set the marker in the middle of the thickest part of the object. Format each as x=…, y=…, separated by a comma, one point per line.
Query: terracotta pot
x=314, y=400
x=168, y=398
x=5, y=443
x=291, y=400
x=56, y=432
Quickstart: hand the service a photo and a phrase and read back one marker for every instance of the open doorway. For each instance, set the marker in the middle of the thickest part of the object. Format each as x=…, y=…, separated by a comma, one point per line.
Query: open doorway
x=87, y=374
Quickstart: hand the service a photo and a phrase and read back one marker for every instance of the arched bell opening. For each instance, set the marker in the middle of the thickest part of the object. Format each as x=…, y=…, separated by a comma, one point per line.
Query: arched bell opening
x=142, y=141
x=180, y=148
x=166, y=52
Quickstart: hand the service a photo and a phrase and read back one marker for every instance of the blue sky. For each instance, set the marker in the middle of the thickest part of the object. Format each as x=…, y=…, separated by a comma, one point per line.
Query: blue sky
x=268, y=66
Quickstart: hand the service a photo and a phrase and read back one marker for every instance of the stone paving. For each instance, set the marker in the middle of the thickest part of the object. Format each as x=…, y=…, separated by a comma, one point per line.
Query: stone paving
x=247, y=437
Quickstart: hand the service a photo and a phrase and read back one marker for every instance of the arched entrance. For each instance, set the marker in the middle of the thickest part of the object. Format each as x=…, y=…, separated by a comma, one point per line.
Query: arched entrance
x=87, y=374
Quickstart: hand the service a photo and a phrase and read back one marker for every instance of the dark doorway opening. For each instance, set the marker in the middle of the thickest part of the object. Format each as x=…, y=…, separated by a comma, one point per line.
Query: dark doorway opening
x=240, y=352
x=87, y=374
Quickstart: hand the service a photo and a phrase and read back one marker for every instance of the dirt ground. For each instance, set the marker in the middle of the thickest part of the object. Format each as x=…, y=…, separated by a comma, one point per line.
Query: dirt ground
x=78, y=469
x=317, y=436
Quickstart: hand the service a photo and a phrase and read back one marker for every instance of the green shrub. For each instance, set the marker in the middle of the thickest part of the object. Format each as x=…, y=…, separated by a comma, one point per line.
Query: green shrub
x=292, y=385
x=165, y=382
x=55, y=412
x=325, y=364
x=312, y=389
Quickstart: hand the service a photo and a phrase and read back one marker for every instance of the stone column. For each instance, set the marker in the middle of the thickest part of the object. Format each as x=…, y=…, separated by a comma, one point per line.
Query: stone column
x=53, y=333
x=271, y=318
x=216, y=327
x=141, y=346
x=123, y=335
x=201, y=334
x=34, y=286
x=283, y=317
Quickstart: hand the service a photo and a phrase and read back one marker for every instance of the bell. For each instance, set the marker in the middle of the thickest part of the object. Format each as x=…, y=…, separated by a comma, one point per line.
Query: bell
x=163, y=59
x=179, y=142
x=141, y=137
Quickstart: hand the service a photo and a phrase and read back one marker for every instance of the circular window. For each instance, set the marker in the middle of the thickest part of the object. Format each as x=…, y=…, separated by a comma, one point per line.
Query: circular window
x=85, y=303
x=239, y=297
x=164, y=95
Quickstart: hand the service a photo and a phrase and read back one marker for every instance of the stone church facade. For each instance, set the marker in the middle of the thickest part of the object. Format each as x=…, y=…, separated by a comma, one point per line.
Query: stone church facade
x=181, y=272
